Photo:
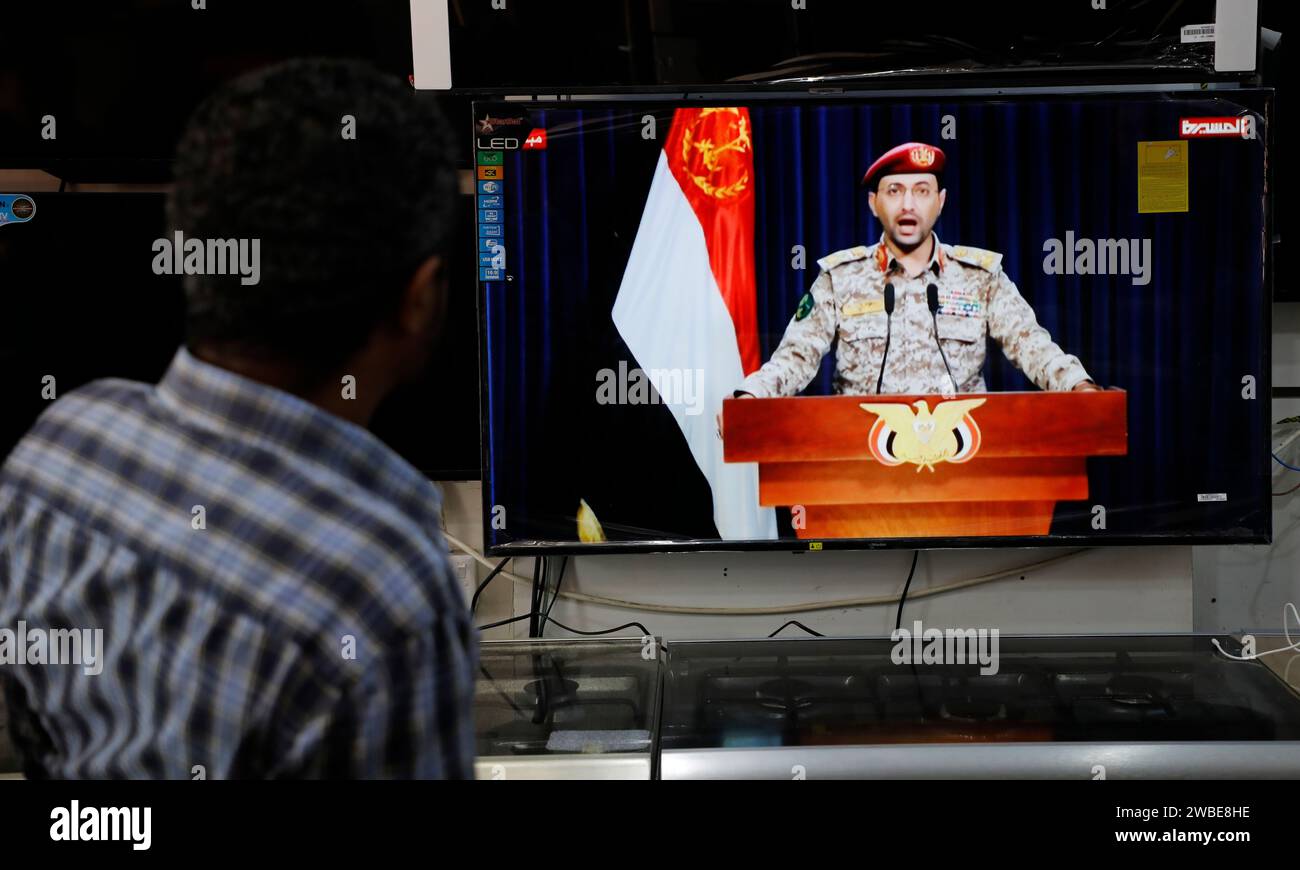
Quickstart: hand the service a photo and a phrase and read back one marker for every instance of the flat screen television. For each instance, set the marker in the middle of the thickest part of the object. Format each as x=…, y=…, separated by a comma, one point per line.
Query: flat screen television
x=83, y=303
x=909, y=320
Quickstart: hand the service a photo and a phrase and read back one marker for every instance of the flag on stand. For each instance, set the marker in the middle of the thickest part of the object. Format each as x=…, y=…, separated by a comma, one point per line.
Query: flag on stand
x=687, y=306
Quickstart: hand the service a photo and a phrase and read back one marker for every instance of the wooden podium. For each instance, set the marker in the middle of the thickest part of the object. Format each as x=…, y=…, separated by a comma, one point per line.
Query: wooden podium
x=817, y=452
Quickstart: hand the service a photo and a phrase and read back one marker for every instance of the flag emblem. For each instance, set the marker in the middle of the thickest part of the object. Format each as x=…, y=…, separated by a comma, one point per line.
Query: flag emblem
x=715, y=151
x=688, y=298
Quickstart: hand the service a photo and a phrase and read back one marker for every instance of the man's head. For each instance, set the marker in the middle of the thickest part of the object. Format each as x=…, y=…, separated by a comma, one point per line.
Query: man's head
x=906, y=192
x=353, y=215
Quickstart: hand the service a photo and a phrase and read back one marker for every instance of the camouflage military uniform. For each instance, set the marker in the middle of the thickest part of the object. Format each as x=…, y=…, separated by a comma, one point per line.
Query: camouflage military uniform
x=976, y=299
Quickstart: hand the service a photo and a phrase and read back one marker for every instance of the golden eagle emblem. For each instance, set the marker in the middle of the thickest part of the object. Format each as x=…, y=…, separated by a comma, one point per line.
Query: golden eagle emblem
x=922, y=156
x=725, y=163
x=922, y=437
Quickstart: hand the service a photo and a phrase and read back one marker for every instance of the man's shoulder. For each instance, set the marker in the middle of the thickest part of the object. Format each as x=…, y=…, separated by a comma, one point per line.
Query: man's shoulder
x=100, y=407
x=845, y=256
x=280, y=526
x=109, y=397
x=979, y=258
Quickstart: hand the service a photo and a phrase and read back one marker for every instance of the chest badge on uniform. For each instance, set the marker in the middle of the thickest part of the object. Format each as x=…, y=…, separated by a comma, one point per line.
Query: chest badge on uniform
x=805, y=306
x=921, y=437
x=863, y=306
x=961, y=301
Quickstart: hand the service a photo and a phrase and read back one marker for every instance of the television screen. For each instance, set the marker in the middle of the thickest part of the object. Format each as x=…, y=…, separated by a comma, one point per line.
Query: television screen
x=847, y=322
x=83, y=303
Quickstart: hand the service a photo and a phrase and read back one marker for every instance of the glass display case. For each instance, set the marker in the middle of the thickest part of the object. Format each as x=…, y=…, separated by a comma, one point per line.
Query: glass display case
x=561, y=709
x=1071, y=707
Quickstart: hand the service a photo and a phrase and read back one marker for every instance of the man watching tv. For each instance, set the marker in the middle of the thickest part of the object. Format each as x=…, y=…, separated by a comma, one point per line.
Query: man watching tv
x=273, y=591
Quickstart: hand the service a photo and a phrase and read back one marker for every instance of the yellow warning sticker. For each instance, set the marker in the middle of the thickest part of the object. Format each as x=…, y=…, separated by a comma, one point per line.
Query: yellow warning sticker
x=1162, y=176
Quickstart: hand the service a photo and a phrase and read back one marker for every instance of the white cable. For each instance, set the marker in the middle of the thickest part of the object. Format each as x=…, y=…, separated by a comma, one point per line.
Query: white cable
x=776, y=610
x=1291, y=645
x=478, y=557
x=809, y=606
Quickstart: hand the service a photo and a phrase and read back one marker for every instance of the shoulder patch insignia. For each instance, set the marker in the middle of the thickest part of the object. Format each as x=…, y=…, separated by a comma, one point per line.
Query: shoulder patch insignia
x=839, y=258
x=989, y=261
x=805, y=306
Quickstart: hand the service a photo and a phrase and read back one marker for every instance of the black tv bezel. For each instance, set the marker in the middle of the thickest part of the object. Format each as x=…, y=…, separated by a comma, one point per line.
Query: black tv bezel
x=680, y=99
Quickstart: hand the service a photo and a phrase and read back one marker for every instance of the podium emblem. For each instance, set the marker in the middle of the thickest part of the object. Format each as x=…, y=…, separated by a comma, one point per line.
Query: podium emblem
x=913, y=433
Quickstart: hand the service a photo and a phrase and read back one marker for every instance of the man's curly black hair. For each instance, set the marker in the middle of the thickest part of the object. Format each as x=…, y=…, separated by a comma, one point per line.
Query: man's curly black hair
x=343, y=223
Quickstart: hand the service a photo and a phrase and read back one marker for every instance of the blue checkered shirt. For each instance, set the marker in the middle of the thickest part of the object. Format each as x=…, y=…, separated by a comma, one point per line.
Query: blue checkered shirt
x=275, y=595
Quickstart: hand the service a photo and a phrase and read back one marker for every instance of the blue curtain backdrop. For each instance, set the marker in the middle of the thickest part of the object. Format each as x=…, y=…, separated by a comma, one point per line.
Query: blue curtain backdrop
x=1018, y=173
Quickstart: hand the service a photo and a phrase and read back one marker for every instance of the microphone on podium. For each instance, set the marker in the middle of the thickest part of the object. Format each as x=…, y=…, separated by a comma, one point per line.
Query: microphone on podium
x=932, y=299
x=889, y=328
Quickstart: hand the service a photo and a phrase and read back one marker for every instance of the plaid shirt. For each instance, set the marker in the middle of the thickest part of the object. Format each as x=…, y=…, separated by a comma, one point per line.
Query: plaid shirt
x=304, y=622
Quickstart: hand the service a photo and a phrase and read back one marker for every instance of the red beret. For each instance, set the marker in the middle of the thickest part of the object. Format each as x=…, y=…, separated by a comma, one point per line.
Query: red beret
x=905, y=158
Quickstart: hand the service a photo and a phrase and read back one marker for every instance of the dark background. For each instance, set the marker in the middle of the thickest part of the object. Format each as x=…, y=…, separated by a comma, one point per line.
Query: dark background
x=82, y=302
x=1020, y=172
x=121, y=78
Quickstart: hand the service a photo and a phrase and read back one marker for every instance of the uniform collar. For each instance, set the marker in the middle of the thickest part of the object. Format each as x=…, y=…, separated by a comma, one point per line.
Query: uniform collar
x=888, y=263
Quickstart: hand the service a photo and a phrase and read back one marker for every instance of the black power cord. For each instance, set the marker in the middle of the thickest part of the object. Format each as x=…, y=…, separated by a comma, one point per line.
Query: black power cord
x=555, y=594
x=492, y=575
x=645, y=632
x=535, y=602
x=797, y=624
x=898, y=621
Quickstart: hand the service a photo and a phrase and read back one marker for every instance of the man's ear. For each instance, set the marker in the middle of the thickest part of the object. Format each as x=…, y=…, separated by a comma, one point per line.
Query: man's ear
x=871, y=202
x=424, y=300
x=943, y=197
